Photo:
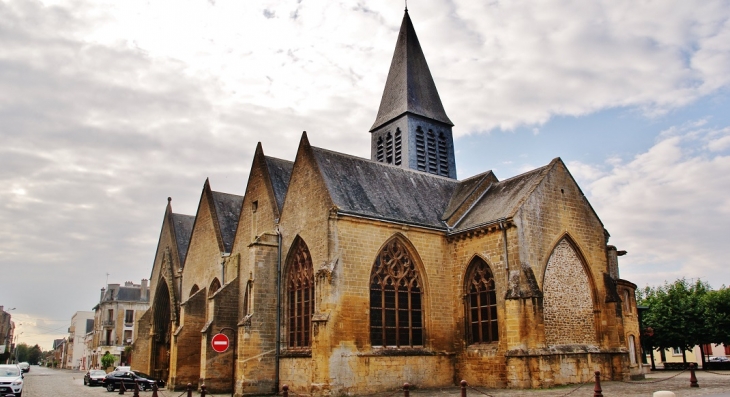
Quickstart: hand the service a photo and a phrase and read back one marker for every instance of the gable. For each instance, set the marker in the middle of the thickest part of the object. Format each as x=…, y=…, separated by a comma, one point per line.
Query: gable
x=227, y=210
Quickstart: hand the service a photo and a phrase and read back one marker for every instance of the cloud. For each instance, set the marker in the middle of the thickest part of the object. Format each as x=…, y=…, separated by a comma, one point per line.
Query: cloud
x=669, y=207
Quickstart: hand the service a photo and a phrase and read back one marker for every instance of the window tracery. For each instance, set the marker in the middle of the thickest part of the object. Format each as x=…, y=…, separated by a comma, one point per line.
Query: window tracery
x=300, y=290
x=481, y=304
x=396, y=313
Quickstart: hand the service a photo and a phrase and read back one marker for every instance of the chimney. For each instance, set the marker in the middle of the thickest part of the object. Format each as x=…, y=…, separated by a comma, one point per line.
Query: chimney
x=101, y=297
x=144, y=290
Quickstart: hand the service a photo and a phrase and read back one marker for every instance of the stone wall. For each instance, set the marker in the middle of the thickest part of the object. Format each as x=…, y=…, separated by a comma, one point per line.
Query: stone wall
x=186, y=357
x=142, y=343
x=216, y=373
x=568, y=304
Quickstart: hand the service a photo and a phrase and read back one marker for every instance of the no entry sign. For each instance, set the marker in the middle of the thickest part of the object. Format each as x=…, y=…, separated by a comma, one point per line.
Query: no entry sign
x=220, y=343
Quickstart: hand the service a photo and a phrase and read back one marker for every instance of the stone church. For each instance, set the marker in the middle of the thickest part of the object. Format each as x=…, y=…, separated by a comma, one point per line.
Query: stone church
x=339, y=275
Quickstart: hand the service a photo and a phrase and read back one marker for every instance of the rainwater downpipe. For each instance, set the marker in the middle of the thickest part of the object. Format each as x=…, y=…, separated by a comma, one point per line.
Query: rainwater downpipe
x=504, y=247
x=278, y=308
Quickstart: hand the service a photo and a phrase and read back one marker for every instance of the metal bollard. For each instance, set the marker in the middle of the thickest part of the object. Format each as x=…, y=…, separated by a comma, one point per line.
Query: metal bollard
x=692, y=377
x=463, y=388
x=136, y=389
x=597, y=392
x=154, y=390
x=122, y=389
x=190, y=390
x=285, y=391
x=202, y=391
x=406, y=389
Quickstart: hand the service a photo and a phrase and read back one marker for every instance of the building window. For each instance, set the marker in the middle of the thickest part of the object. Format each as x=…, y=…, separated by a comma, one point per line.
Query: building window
x=389, y=148
x=129, y=316
x=431, y=153
x=676, y=351
x=396, y=313
x=215, y=285
x=111, y=315
x=380, y=150
x=727, y=350
x=300, y=290
x=481, y=303
x=108, y=337
x=627, y=302
x=632, y=349
x=398, y=147
x=420, y=150
x=246, y=299
x=127, y=337
x=443, y=155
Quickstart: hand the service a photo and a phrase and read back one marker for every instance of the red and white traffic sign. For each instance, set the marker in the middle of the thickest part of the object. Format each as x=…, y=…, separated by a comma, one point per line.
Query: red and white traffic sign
x=220, y=343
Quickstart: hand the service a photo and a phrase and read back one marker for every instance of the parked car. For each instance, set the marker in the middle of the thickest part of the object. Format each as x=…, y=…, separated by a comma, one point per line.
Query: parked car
x=113, y=380
x=160, y=382
x=24, y=366
x=122, y=368
x=94, y=377
x=11, y=380
x=720, y=359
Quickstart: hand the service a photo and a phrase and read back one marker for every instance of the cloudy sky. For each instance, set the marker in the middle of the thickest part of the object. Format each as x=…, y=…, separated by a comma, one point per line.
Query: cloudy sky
x=108, y=107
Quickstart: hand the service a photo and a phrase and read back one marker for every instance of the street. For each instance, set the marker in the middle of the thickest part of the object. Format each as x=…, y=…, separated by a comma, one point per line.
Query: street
x=45, y=382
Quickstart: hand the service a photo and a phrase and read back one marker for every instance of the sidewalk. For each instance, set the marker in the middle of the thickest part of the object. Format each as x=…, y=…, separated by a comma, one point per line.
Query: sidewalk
x=714, y=384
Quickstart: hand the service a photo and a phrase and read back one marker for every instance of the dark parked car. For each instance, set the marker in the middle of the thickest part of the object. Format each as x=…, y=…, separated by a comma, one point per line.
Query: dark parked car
x=94, y=377
x=24, y=366
x=113, y=380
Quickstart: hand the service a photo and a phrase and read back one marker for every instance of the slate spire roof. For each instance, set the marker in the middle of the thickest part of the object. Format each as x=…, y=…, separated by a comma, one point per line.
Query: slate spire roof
x=409, y=87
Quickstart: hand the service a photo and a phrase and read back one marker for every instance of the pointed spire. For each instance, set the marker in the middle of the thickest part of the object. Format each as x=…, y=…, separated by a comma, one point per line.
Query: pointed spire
x=410, y=87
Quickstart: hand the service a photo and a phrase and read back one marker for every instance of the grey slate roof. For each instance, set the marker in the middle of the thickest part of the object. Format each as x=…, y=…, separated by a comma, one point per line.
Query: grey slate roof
x=363, y=187
x=128, y=294
x=280, y=174
x=183, y=226
x=502, y=199
x=227, y=209
x=409, y=87
x=466, y=189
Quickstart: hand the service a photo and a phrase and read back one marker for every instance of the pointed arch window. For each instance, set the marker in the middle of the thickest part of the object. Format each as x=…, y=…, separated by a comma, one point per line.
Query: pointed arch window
x=194, y=289
x=215, y=285
x=396, y=295
x=380, y=150
x=300, y=296
x=398, y=150
x=420, y=149
x=481, y=303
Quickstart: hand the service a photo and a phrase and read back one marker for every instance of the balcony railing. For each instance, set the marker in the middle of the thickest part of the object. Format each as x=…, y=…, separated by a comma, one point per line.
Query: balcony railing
x=108, y=323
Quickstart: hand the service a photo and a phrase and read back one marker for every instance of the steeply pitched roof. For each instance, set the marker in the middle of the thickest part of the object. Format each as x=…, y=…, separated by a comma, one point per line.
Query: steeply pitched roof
x=227, y=210
x=409, y=87
x=183, y=227
x=502, y=199
x=466, y=195
x=280, y=174
x=362, y=187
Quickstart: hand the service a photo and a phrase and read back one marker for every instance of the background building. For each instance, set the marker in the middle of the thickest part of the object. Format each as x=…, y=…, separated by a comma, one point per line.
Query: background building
x=114, y=320
x=82, y=322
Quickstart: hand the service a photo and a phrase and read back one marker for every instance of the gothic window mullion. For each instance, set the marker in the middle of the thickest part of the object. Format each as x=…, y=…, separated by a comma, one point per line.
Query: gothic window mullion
x=301, y=296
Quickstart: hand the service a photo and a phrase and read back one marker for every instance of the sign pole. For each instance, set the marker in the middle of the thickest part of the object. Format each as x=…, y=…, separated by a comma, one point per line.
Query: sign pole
x=233, y=365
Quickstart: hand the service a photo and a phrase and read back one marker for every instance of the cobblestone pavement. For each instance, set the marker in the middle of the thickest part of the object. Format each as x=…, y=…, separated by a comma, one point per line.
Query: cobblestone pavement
x=44, y=382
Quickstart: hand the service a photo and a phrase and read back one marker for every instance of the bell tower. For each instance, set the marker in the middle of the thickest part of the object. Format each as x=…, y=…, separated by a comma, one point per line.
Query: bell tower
x=412, y=129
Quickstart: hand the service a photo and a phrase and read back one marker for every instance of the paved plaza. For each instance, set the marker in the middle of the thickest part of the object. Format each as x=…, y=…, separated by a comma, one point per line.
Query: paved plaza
x=44, y=382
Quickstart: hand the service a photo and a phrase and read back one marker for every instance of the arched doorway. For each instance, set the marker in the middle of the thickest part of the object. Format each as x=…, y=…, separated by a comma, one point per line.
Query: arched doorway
x=162, y=332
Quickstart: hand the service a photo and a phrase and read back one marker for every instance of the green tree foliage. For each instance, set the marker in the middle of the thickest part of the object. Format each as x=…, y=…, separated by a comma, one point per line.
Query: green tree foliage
x=21, y=352
x=677, y=314
x=107, y=360
x=717, y=314
x=34, y=355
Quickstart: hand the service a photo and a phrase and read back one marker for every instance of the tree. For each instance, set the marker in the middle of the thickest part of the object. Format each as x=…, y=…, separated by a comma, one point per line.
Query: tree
x=676, y=314
x=717, y=313
x=107, y=360
x=34, y=355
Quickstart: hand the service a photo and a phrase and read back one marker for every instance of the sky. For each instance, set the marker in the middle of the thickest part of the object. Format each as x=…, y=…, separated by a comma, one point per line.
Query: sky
x=108, y=107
